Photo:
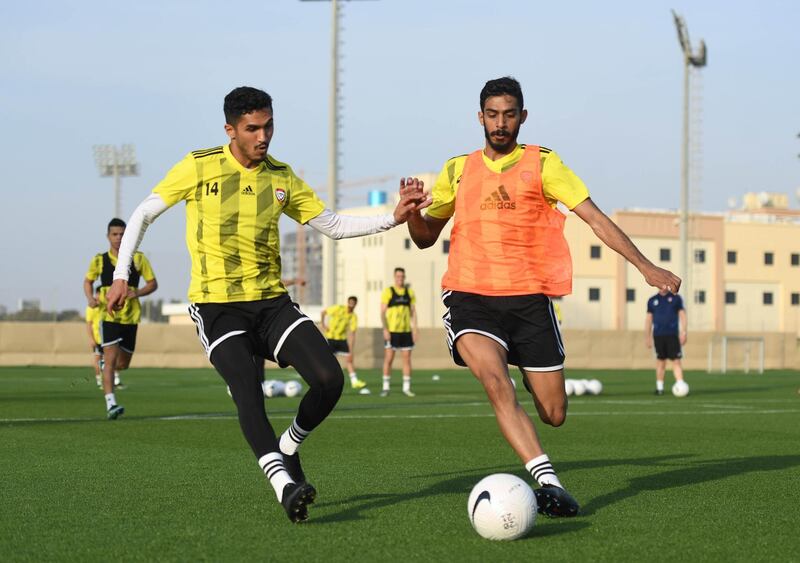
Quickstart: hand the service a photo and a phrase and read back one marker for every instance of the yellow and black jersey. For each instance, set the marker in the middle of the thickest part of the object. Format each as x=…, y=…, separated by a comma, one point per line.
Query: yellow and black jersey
x=398, y=308
x=232, y=215
x=559, y=183
x=93, y=317
x=102, y=266
x=340, y=322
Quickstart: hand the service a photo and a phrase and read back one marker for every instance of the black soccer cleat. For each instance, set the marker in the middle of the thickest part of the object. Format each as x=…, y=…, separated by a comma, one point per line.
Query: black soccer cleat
x=295, y=500
x=659, y=392
x=115, y=412
x=293, y=467
x=555, y=502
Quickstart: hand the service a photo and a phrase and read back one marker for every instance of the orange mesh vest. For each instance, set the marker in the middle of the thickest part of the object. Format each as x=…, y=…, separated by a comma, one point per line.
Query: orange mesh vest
x=506, y=239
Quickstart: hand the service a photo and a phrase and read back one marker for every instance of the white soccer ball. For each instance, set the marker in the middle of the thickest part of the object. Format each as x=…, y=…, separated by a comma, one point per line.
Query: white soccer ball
x=578, y=387
x=594, y=387
x=680, y=389
x=292, y=388
x=273, y=388
x=502, y=507
x=569, y=387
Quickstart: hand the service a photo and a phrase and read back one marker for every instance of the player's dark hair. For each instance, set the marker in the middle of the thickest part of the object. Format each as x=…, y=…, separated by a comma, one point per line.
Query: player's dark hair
x=115, y=222
x=399, y=269
x=353, y=297
x=502, y=87
x=242, y=100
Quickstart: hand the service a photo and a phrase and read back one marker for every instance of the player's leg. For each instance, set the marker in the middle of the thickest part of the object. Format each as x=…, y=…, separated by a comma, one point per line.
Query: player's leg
x=388, y=359
x=110, y=353
x=661, y=366
x=677, y=369
x=549, y=395
x=234, y=361
x=123, y=362
x=407, y=373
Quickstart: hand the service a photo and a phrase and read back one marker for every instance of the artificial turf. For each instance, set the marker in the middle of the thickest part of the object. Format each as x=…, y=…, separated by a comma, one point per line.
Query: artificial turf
x=714, y=476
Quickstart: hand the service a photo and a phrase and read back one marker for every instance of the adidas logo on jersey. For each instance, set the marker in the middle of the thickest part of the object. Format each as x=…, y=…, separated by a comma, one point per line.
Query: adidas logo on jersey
x=248, y=191
x=498, y=200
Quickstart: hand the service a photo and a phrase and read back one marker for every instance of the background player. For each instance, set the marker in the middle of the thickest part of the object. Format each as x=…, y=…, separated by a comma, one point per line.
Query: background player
x=93, y=316
x=399, y=319
x=508, y=256
x=665, y=326
x=339, y=324
x=234, y=197
x=118, y=329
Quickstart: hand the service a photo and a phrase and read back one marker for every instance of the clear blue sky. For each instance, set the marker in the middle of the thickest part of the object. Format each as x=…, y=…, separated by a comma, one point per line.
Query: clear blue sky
x=602, y=82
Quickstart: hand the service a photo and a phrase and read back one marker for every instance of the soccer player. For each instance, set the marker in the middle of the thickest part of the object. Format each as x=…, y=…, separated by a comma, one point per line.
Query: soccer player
x=508, y=257
x=339, y=323
x=665, y=327
x=234, y=196
x=93, y=316
x=118, y=331
x=399, y=317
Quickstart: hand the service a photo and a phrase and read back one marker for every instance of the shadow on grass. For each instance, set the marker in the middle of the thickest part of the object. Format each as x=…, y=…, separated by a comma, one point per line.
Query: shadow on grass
x=689, y=473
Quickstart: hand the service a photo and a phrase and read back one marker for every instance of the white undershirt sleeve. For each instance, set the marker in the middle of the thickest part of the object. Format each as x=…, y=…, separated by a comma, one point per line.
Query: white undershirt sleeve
x=336, y=226
x=142, y=216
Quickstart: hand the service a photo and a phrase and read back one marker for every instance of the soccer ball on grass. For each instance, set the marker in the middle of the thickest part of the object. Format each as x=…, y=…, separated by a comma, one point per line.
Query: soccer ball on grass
x=502, y=507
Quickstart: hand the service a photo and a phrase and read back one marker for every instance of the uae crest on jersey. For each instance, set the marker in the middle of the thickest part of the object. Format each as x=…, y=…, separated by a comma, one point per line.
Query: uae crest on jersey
x=280, y=193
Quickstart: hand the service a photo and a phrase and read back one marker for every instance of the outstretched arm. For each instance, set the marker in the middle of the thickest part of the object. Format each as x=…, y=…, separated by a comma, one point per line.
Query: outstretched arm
x=423, y=229
x=608, y=232
x=648, y=330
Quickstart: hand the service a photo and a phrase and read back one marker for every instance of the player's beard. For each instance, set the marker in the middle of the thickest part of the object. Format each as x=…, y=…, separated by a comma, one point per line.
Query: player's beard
x=505, y=147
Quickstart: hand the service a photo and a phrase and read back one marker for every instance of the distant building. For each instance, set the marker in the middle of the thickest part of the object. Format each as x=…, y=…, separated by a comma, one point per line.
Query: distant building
x=307, y=264
x=30, y=305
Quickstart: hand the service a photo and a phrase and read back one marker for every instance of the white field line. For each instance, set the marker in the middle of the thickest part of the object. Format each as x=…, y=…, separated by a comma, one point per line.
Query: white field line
x=412, y=416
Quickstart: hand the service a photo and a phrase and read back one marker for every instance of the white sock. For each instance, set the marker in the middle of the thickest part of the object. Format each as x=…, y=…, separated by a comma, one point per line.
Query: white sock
x=406, y=383
x=116, y=377
x=111, y=400
x=292, y=438
x=386, y=380
x=659, y=385
x=542, y=470
x=353, y=377
x=272, y=466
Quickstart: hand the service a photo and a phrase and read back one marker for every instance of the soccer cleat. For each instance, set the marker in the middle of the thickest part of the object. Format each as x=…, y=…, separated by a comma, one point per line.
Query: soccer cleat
x=659, y=392
x=358, y=384
x=293, y=467
x=115, y=412
x=385, y=393
x=295, y=500
x=409, y=393
x=555, y=502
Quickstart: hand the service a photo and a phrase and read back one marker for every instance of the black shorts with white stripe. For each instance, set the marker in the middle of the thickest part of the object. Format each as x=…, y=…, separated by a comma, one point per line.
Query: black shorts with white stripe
x=525, y=325
x=266, y=323
x=116, y=333
x=339, y=347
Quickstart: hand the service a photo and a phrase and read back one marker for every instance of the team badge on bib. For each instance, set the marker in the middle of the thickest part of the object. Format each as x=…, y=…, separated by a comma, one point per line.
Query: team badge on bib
x=280, y=193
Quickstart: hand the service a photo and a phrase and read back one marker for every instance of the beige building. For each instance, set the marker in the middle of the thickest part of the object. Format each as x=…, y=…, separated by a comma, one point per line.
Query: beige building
x=744, y=270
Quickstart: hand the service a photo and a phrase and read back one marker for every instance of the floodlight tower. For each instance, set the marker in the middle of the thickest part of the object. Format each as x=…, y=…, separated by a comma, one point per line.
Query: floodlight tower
x=698, y=60
x=117, y=162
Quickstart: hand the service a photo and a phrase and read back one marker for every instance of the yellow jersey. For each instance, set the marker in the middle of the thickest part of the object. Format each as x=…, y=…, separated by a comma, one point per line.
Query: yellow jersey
x=559, y=183
x=340, y=322
x=232, y=215
x=398, y=310
x=102, y=266
x=93, y=316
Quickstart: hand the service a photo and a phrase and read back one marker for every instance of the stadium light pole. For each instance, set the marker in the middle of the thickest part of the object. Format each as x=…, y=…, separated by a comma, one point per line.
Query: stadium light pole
x=117, y=162
x=698, y=60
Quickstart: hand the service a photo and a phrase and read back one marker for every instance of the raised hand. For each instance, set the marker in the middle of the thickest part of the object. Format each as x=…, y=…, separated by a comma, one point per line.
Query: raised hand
x=662, y=279
x=413, y=199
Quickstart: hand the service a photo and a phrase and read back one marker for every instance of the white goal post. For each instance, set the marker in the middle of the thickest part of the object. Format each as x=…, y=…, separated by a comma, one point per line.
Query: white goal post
x=738, y=347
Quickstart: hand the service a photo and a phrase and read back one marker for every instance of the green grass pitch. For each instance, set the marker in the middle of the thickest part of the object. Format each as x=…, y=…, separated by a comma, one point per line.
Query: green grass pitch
x=711, y=477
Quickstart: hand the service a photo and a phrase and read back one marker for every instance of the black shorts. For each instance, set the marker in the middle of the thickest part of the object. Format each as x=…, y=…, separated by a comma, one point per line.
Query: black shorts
x=116, y=333
x=339, y=347
x=399, y=341
x=98, y=350
x=267, y=323
x=525, y=325
x=668, y=347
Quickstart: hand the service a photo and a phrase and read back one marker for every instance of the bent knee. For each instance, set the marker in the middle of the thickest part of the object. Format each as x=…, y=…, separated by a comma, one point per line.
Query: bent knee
x=554, y=416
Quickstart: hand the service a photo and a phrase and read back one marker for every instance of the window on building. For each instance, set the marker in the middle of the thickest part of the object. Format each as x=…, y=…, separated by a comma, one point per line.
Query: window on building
x=446, y=246
x=767, y=299
x=730, y=298
x=594, y=252
x=407, y=244
x=769, y=258
x=731, y=257
x=630, y=295
x=594, y=294
x=700, y=256
x=700, y=296
x=796, y=299
x=665, y=254
x=795, y=259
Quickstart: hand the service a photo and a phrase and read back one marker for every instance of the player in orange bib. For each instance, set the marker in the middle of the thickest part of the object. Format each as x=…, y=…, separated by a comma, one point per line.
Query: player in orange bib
x=508, y=257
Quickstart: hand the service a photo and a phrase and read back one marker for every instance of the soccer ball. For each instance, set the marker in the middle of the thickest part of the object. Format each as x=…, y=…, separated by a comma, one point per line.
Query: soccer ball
x=680, y=389
x=594, y=387
x=568, y=387
x=273, y=388
x=502, y=507
x=292, y=388
x=578, y=387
